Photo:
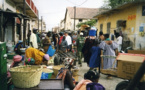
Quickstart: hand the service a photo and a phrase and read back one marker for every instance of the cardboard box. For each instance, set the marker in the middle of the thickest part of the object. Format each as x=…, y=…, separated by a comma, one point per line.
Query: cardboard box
x=128, y=65
x=136, y=52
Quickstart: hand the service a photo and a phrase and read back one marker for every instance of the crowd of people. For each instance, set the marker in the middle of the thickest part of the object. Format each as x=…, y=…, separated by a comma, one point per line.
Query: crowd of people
x=88, y=47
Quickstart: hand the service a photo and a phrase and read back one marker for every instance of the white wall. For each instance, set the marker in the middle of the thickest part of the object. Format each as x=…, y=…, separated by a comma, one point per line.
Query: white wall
x=1, y=2
x=9, y=5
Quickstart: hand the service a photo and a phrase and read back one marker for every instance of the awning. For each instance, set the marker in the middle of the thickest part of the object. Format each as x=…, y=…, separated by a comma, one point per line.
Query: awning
x=31, y=9
x=13, y=14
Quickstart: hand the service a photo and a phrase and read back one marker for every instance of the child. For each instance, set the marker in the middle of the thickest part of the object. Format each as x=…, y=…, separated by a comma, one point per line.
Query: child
x=95, y=57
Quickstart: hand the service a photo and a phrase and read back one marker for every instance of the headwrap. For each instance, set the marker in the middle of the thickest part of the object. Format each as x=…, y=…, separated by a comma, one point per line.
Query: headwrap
x=16, y=59
x=46, y=56
x=92, y=31
x=20, y=41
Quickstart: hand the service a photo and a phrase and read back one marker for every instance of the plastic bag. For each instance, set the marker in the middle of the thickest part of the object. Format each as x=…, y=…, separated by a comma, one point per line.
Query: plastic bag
x=51, y=51
x=44, y=75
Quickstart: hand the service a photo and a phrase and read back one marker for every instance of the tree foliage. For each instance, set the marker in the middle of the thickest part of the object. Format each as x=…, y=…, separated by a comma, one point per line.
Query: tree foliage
x=90, y=23
x=114, y=3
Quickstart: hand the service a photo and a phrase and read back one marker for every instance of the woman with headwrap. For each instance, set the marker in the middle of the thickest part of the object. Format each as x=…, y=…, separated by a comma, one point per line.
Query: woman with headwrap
x=37, y=55
x=18, y=46
x=108, y=47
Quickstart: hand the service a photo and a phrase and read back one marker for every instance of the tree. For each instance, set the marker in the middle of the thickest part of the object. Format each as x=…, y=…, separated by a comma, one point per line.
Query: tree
x=115, y=3
x=90, y=23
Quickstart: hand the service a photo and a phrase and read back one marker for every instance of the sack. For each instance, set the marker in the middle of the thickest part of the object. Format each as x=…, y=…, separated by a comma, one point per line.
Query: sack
x=50, y=51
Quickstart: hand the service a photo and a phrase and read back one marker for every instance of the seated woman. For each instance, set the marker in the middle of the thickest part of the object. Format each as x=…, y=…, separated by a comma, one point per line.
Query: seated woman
x=82, y=84
x=94, y=77
x=66, y=75
x=37, y=55
x=18, y=46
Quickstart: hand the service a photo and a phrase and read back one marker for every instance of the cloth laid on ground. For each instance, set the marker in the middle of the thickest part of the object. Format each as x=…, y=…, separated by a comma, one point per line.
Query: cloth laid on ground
x=35, y=54
x=108, y=50
x=95, y=57
x=95, y=86
x=82, y=84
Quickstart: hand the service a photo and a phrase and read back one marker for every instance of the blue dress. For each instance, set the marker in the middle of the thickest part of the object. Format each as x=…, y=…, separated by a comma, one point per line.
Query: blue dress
x=95, y=57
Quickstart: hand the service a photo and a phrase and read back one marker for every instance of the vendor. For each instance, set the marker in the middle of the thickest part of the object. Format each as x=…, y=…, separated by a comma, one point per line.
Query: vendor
x=18, y=46
x=66, y=75
x=37, y=55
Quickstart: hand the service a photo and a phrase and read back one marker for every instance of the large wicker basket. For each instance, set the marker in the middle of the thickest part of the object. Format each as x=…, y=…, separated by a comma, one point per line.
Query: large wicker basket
x=26, y=76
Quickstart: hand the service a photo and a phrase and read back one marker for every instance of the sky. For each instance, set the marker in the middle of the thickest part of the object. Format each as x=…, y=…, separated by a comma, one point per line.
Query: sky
x=53, y=11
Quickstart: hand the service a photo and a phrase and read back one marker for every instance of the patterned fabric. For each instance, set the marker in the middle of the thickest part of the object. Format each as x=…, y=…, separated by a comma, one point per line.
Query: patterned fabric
x=35, y=54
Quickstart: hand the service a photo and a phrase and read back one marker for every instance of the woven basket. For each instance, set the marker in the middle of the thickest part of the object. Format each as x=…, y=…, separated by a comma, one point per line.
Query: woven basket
x=26, y=76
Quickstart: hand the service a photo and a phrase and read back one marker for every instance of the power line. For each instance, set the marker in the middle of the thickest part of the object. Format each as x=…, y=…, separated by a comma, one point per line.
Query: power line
x=83, y=3
x=71, y=2
x=76, y=4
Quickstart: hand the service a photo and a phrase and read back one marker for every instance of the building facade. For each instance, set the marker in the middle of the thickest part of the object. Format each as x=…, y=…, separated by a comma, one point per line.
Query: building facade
x=76, y=15
x=16, y=18
x=128, y=20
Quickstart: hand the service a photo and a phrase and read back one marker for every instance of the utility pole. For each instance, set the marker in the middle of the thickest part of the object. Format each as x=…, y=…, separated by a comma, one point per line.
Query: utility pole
x=41, y=23
x=74, y=16
x=24, y=22
x=38, y=21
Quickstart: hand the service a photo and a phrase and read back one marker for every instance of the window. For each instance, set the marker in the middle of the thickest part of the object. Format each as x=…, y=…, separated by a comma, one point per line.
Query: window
x=108, y=27
x=101, y=27
x=80, y=20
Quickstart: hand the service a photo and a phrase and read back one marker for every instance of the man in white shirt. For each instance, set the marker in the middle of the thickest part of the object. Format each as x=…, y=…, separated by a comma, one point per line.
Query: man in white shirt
x=33, y=40
x=69, y=41
x=119, y=41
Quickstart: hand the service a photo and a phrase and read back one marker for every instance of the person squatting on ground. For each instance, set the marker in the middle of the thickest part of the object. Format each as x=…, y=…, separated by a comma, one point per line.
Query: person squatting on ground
x=108, y=48
x=37, y=55
x=80, y=44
